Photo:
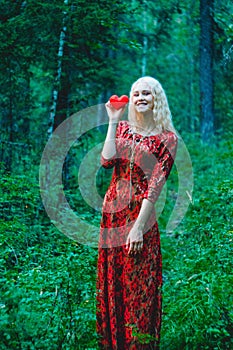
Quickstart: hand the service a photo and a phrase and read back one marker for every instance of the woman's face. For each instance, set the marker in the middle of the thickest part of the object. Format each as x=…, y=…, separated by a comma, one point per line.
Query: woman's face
x=142, y=99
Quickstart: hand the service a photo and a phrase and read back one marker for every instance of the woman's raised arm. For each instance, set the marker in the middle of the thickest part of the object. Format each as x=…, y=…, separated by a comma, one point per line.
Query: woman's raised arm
x=109, y=148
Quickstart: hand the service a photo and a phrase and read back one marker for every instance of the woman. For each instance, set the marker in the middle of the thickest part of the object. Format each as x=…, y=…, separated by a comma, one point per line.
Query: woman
x=129, y=282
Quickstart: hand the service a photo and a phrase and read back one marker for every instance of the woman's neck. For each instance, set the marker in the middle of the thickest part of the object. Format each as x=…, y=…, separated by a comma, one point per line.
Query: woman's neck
x=145, y=123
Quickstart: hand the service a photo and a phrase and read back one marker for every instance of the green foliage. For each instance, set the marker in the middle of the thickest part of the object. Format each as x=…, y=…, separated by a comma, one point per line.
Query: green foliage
x=142, y=338
x=50, y=303
x=107, y=46
x=197, y=259
x=47, y=281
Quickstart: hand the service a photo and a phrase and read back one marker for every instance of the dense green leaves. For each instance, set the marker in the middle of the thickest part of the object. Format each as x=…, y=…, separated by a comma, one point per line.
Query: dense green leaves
x=47, y=282
x=107, y=46
x=197, y=260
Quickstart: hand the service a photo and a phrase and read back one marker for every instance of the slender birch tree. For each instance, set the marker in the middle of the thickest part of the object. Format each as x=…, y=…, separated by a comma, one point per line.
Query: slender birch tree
x=57, y=81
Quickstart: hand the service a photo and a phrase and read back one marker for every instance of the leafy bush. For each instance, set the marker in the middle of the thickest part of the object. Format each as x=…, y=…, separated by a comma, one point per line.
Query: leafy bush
x=197, y=260
x=47, y=296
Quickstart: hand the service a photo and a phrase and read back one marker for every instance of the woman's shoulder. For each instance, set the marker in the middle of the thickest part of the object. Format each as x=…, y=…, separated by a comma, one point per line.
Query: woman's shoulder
x=168, y=138
x=170, y=135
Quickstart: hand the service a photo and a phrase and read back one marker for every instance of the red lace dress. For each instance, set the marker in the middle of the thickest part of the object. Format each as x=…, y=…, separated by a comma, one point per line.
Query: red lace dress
x=129, y=287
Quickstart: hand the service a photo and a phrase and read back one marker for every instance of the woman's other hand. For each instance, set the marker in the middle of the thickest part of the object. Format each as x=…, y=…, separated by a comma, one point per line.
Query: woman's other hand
x=134, y=241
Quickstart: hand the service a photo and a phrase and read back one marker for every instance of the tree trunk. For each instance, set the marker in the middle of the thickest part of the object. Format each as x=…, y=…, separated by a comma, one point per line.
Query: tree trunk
x=11, y=127
x=55, y=92
x=191, y=67
x=63, y=95
x=206, y=70
x=145, y=43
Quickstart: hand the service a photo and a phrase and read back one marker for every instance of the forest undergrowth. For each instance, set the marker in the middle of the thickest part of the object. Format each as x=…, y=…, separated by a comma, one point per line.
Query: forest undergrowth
x=47, y=297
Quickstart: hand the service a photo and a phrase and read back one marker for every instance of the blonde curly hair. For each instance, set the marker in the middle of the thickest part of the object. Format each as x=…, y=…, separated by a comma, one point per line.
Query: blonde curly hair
x=161, y=112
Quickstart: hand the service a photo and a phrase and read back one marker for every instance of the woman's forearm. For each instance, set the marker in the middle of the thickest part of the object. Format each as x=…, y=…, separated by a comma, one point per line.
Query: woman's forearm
x=144, y=214
x=109, y=149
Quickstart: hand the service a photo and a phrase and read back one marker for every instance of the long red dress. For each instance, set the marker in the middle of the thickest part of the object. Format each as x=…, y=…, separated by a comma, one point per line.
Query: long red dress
x=129, y=287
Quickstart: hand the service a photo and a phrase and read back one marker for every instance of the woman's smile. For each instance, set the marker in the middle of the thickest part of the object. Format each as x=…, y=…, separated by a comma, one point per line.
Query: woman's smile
x=141, y=103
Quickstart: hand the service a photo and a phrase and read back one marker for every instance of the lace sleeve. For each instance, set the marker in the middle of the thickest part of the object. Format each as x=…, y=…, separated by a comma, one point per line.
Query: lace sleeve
x=162, y=168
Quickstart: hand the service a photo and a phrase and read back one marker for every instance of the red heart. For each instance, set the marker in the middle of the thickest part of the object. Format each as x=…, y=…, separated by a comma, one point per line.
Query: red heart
x=118, y=102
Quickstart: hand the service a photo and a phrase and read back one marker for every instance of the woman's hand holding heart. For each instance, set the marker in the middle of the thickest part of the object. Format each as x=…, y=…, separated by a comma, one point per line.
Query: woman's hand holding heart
x=116, y=107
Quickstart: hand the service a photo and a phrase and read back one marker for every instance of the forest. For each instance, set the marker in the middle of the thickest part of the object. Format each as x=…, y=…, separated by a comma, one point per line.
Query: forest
x=60, y=61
